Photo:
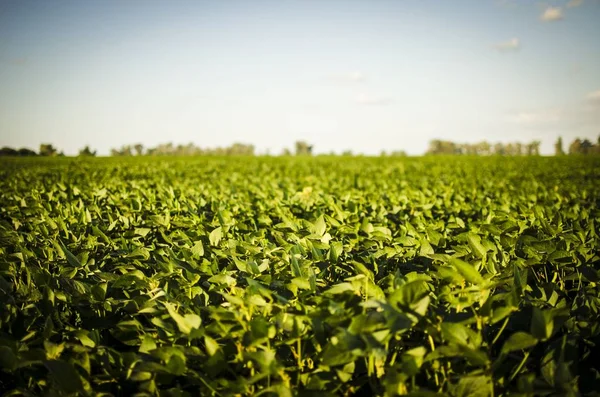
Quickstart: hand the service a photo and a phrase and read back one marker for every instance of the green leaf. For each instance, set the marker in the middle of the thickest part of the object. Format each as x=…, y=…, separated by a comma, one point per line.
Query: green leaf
x=319, y=226
x=409, y=293
x=223, y=279
x=71, y=259
x=542, y=323
x=211, y=345
x=559, y=256
x=473, y=386
x=335, y=356
x=85, y=339
x=301, y=283
x=336, y=249
x=140, y=253
x=198, y=249
x=519, y=341
x=99, y=291
x=215, y=236
x=468, y=271
x=65, y=376
x=148, y=344
x=475, y=244
x=8, y=359
x=461, y=334
x=53, y=350
x=426, y=248
x=176, y=365
x=185, y=323
x=100, y=234
x=142, y=231
x=340, y=288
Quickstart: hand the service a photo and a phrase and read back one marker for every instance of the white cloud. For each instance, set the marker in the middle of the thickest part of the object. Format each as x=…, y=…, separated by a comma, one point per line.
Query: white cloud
x=539, y=116
x=583, y=114
x=513, y=44
x=352, y=77
x=356, y=76
x=594, y=96
x=365, y=99
x=574, y=3
x=551, y=14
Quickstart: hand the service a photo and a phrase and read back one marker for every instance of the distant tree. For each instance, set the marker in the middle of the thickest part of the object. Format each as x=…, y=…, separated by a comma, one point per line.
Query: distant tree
x=509, y=149
x=472, y=149
x=465, y=148
x=533, y=148
x=47, y=149
x=124, y=151
x=484, y=148
x=286, y=152
x=435, y=147
x=240, y=149
x=303, y=149
x=347, y=153
x=189, y=149
x=453, y=147
x=499, y=149
x=8, y=151
x=575, y=147
x=529, y=148
x=398, y=153
x=587, y=147
x=26, y=152
x=558, y=147
x=87, y=152
x=518, y=149
x=160, y=150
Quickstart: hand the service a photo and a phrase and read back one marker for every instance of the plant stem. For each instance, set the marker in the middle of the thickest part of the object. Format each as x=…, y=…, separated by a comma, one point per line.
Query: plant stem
x=500, y=331
x=519, y=367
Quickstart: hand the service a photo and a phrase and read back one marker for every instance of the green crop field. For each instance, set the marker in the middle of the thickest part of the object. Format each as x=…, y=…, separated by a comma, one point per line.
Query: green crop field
x=301, y=276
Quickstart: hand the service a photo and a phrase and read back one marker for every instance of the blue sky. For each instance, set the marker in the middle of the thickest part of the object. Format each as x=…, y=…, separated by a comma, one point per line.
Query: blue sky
x=364, y=75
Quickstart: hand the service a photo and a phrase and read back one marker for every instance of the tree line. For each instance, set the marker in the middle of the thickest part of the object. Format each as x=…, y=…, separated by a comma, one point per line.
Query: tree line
x=302, y=148
x=577, y=146
x=190, y=149
x=169, y=149
x=484, y=148
x=46, y=149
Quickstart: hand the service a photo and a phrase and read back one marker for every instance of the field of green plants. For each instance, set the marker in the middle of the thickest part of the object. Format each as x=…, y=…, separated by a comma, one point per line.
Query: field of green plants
x=300, y=276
